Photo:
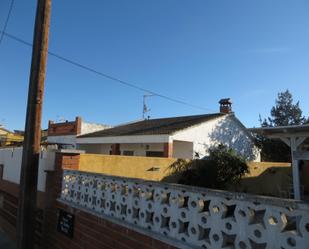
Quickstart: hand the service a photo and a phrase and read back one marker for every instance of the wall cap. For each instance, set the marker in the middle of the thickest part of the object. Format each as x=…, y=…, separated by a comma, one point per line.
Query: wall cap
x=68, y=151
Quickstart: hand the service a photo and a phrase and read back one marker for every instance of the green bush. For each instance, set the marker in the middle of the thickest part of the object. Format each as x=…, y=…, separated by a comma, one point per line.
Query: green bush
x=222, y=168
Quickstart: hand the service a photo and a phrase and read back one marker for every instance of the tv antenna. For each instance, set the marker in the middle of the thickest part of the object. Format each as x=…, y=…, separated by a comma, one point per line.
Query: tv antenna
x=145, y=107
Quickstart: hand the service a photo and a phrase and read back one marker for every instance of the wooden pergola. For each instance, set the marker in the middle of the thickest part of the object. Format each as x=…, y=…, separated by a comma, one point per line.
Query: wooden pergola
x=294, y=136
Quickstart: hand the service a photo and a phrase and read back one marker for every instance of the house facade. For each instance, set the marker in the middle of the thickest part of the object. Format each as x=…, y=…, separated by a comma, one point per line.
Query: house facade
x=9, y=138
x=65, y=133
x=180, y=137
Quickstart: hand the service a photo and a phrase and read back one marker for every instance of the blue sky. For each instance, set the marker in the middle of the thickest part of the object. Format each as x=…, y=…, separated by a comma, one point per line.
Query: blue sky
x=196, y=51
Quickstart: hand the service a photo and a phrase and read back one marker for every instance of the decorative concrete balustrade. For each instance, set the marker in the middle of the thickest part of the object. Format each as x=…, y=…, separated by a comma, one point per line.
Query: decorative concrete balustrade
x=196, y=217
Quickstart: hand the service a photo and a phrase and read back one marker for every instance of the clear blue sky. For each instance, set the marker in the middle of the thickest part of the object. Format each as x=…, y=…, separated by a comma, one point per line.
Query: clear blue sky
x=197, y=51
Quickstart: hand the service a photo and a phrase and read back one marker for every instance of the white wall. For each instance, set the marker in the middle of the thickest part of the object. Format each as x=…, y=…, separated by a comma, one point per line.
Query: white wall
x=11, y=159
x=92, y=127
x=223, y=130
x=67, y=139
x=124, y=139
x=95, y=148
x=138, y=148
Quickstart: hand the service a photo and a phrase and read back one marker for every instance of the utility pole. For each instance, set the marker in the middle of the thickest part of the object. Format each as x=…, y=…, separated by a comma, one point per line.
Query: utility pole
x=32, y=140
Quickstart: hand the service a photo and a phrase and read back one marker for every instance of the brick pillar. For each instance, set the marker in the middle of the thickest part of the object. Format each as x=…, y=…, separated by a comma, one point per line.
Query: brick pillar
x=115, y=149
x=69, y=161
x=90, y=231
x=168, y=150
x=63, y=160
x=78, y=126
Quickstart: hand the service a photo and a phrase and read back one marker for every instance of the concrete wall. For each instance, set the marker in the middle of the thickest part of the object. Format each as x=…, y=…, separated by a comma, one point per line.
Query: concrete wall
x=91, y=231
x=139, y=149
x=92, y=127
x=149, y=168
x=187, y=217
x=95, y=148
x=11, y=159
x=63, y=139
x=124, y=139
x=223, y=130
x=265, y=178
x=268, y=178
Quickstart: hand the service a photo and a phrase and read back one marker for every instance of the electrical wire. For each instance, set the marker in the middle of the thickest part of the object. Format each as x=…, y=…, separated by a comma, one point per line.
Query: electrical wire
x=87, y=68
x=7, y=20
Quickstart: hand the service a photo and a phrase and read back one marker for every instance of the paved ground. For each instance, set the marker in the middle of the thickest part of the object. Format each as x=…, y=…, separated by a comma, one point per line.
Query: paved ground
x=5, y=242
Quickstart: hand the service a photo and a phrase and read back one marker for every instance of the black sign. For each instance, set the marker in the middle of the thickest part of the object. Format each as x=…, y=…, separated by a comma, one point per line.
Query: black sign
x=65, y=223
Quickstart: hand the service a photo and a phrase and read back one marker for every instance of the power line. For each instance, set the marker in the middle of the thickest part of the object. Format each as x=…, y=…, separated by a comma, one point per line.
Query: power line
x=7, y=21
x=125, y=83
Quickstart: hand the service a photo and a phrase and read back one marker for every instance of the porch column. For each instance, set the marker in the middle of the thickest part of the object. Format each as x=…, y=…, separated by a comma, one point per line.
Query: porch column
x=168, y=149
x=115, y=149
x=295, y=170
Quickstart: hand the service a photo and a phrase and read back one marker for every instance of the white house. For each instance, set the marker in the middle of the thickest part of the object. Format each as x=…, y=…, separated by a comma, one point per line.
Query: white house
x=179, y=137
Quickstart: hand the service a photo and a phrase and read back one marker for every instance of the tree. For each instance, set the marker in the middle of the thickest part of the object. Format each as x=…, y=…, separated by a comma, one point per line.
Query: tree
x=284, y=113
x=222, y=168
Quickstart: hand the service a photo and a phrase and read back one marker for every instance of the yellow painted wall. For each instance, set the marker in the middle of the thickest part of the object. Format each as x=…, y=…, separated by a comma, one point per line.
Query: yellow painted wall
x=126, y=166
x=10, y=138
x=267, y=178
x=3, y=132
x=257, y=168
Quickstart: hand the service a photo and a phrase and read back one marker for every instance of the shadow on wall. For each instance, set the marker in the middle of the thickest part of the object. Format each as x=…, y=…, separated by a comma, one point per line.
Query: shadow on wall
x=200, y=173
x=273, y=181
x=270, y=179
x=230, y=134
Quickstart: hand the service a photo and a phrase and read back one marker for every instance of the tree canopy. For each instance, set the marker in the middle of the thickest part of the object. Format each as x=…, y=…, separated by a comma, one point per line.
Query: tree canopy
x=284, y=113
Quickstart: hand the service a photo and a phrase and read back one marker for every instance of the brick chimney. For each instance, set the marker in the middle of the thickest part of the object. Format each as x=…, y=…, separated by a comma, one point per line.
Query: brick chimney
x=226, y=105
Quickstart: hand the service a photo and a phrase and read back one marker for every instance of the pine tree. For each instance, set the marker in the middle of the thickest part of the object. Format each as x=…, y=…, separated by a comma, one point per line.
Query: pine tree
x=284, y=113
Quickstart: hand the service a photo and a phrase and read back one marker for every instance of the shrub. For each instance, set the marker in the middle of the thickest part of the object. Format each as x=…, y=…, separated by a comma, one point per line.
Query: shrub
x=222, y=168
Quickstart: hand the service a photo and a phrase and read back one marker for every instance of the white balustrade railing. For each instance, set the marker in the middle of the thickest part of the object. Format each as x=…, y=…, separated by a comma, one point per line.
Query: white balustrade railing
x=196, y=217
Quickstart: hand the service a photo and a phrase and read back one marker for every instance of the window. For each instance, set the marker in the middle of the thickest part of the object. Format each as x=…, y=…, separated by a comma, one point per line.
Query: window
x=128, y=153
x=154, y=153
